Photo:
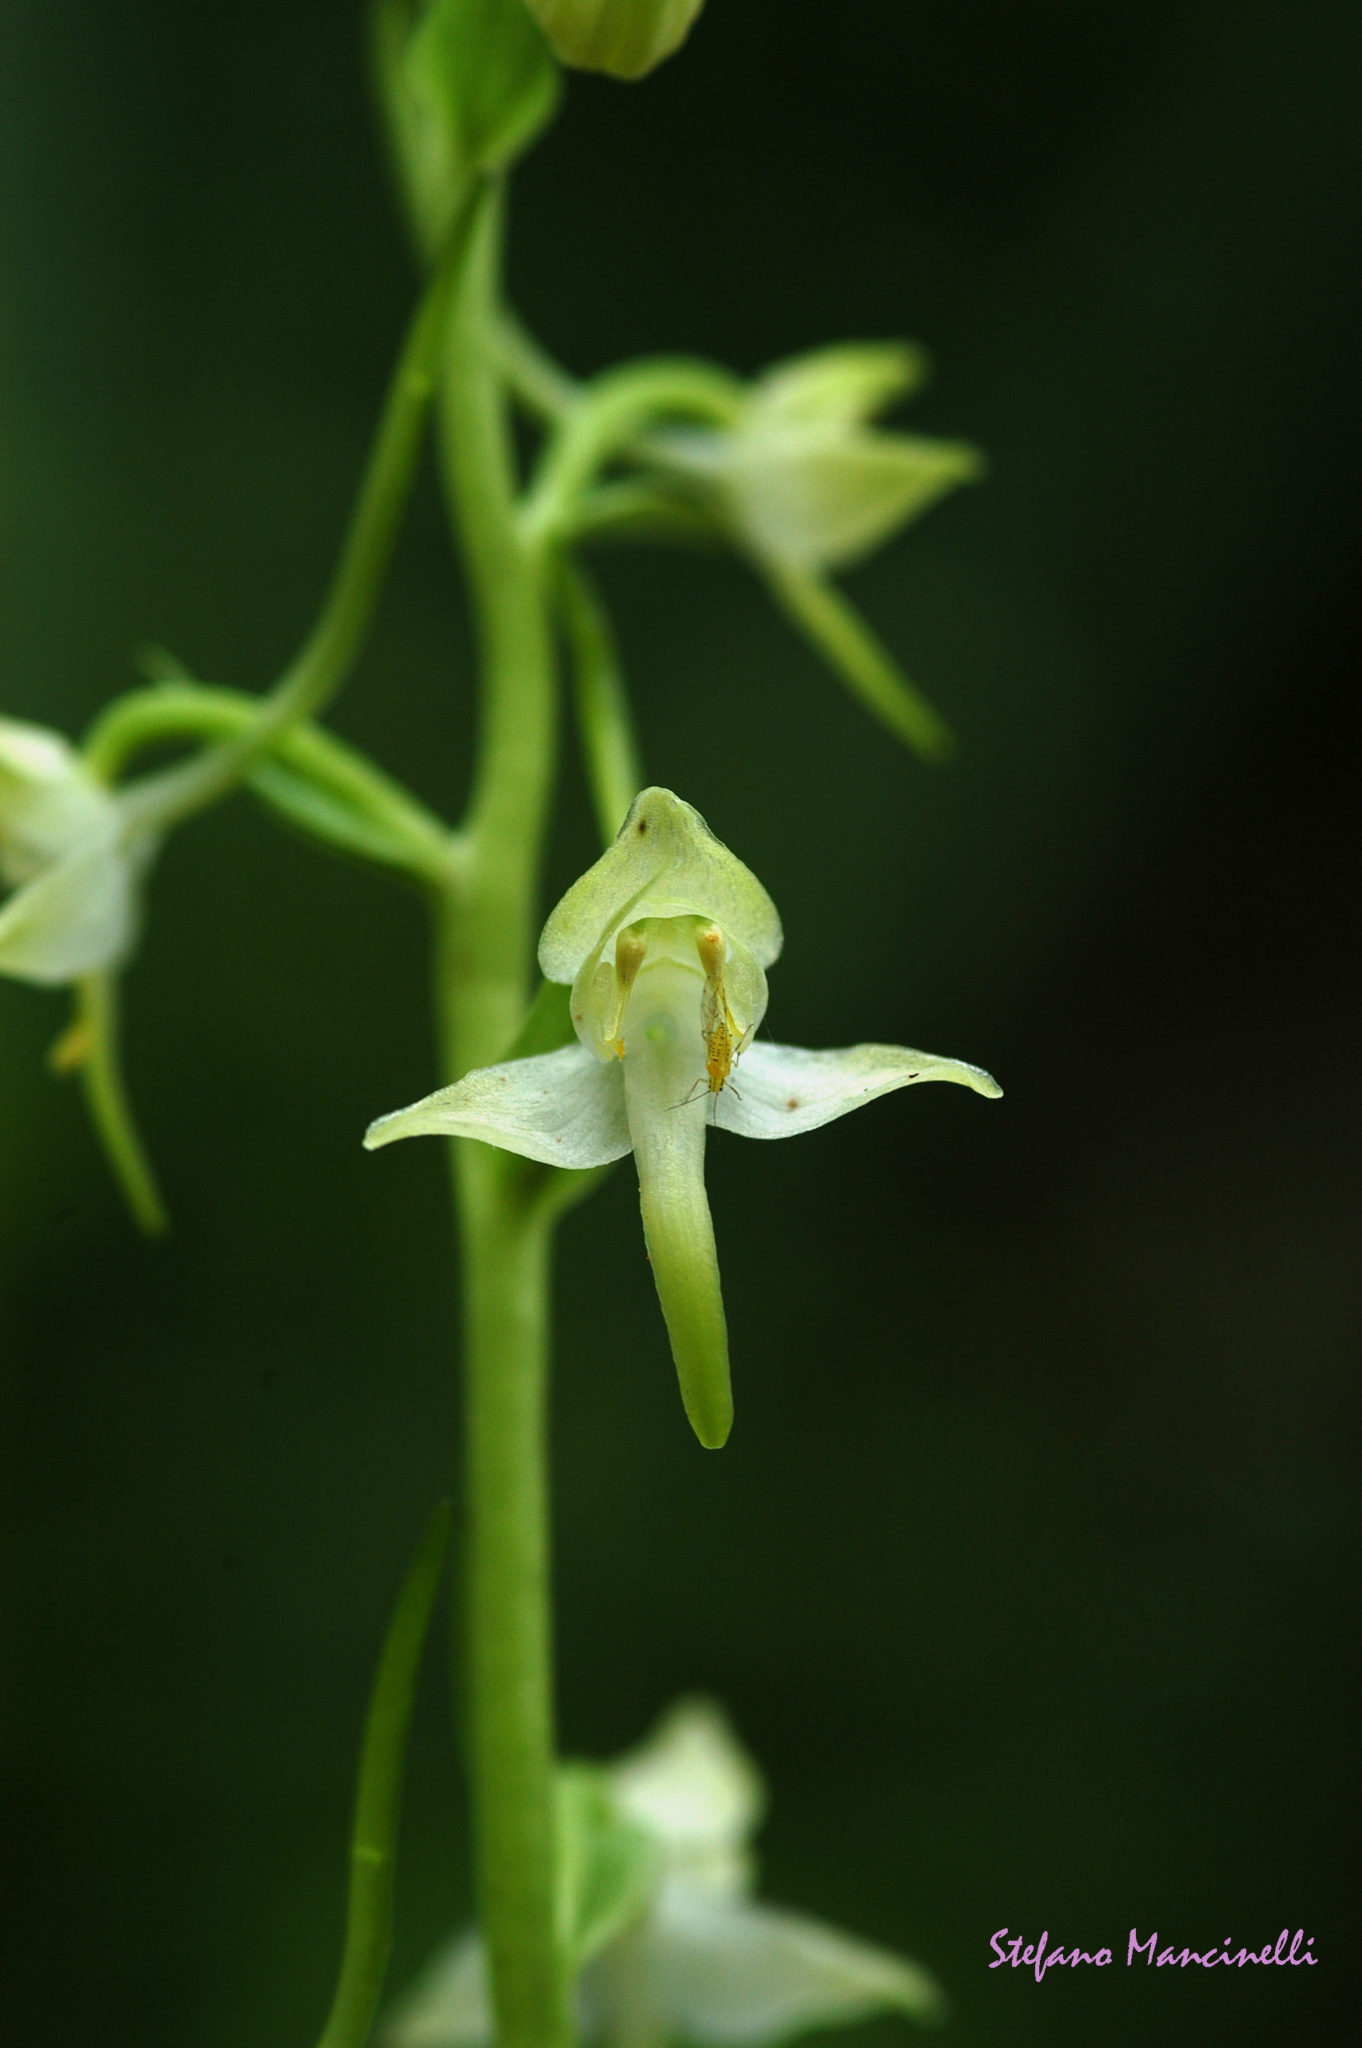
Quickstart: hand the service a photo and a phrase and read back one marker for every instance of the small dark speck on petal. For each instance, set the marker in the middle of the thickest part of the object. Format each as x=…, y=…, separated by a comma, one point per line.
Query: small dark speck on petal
x=793, y=1102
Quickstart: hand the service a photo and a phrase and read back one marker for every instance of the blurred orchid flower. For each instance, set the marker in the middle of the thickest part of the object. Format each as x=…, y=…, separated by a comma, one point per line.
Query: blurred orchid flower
x=71, y=856
x=674, y=1946
x=665, y=942
x=801, y=477
x=625, y=38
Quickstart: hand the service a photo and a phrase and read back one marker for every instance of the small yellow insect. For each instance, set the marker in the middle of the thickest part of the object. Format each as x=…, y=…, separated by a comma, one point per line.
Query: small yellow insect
x=720, y=1030
x=717, y=1028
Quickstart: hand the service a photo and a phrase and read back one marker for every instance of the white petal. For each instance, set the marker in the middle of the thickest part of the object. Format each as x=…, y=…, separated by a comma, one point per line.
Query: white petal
x=820, y=496
x=565, y=1108
x=75, y=917
x=693, y=1786
x=782, y=1089
x=49, y=802
x=664, y=862
x=449, y=2005
x=734, y=1972
x=847, y=383
x=34, y=753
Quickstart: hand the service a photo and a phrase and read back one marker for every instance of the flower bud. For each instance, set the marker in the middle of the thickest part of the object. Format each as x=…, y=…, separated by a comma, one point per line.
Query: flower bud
x=625, y=38
x=464, y=86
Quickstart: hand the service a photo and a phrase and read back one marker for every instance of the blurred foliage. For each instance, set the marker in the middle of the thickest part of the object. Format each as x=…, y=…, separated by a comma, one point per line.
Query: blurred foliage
x=1028, y=1574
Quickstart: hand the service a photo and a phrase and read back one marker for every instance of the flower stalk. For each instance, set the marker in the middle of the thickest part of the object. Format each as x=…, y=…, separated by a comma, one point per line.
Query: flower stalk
x=604, y=724
x=483, y=976
x=91, y=1047
x=308, y=775
x=373, y=1842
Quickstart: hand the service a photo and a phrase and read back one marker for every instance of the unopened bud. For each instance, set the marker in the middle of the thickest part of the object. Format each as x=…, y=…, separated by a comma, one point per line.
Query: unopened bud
x=625, y=38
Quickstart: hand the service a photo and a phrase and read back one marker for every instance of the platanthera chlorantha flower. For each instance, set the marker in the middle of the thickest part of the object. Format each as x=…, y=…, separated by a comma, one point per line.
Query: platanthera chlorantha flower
x=660, y=1918
x=625, y=38
x=801, y=478
x=665, y=942
x=67, y=850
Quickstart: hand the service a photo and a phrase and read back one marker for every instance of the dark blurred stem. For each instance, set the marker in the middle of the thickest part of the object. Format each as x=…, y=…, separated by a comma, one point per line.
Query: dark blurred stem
x=378, y=1799
x=91, y=1046
x=542, y=386
x=604, y=723
x=485, y=967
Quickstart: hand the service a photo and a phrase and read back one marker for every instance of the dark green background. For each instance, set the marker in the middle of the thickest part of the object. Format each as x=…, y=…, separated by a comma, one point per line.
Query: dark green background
x=1029, y=1571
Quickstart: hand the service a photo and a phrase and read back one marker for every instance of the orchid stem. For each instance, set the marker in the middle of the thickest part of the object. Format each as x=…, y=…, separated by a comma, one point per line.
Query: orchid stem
x=543, y=387
x=91, y=1046
x=484, y=974
x=388, y=821
x=604, y=724
x=378, y=1798
x=607, y=416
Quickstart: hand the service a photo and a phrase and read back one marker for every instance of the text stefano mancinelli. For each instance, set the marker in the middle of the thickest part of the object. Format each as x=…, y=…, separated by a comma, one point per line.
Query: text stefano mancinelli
x=1288, y=1950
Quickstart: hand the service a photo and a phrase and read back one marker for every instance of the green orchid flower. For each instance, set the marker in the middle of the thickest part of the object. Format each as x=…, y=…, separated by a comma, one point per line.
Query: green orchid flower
x=802, y=478
x=75, y=854
x=666, y=942
x=660, y=1916
x=72, y=858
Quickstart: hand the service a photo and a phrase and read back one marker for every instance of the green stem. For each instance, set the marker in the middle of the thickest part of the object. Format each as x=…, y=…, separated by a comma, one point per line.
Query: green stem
x=378, y=1800
x=543, y=387
x=510, y=1686
x=401, y=829
x=611, y=414
x=492, y=939
x=92, y=1046
x=485, y=965
x=603, y=719
x=334, y=642
x=633, y=509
